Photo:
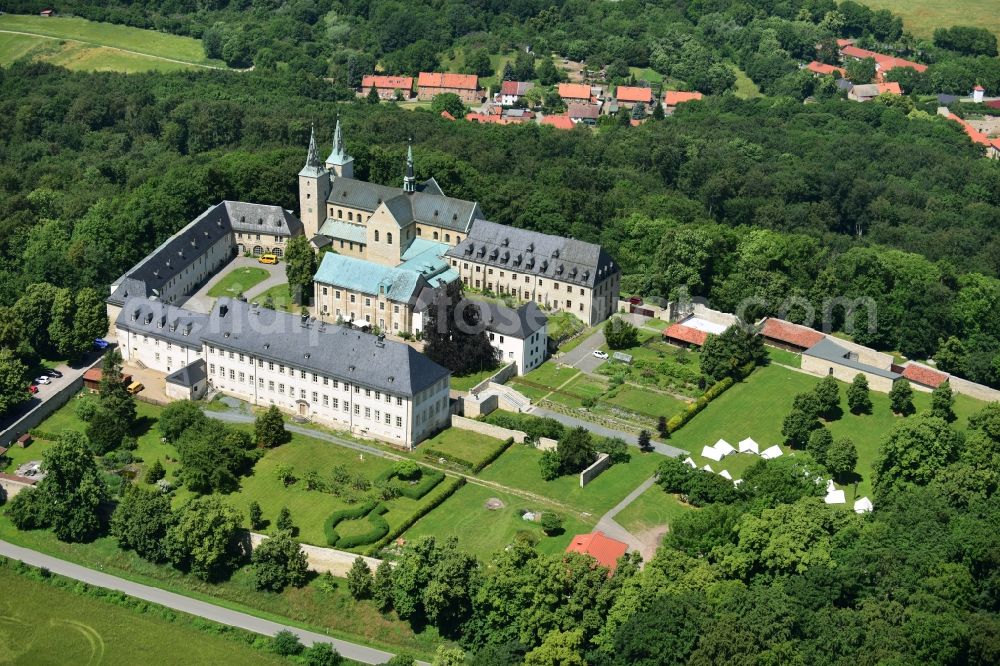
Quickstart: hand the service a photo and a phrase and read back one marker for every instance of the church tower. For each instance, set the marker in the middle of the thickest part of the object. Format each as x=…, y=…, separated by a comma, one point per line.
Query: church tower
x=409, y=180
x=339, y=163
x=314, y=189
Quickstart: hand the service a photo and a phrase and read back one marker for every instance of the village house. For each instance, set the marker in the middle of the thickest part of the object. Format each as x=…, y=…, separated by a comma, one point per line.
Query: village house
x=883, y=63
x=672, y=98
x=575, y=92
x=585, y=113
x=822, y=69
x=869, y=91
x=466, y=86
x=629, y=96
x=387, y=87
x=512, y=91
x=601, y=547
x=560, y=121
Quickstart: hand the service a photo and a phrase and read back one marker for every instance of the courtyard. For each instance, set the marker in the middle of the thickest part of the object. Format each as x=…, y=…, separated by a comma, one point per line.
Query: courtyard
x=244, y=276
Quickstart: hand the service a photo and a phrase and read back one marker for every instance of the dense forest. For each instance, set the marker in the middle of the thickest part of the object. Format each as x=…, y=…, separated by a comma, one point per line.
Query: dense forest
x=692, y=43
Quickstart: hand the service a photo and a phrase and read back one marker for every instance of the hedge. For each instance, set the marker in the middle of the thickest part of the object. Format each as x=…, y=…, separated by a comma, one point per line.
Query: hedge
x=432, y=454
x=429, y=478
x=714, y=391
x=475, y=468
x=44, y=434
x=352, y=513
x=379, y=529
x=454, y=483
x=493, y=455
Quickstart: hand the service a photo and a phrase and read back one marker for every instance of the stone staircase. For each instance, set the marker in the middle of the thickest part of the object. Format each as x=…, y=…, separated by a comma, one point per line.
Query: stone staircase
x=515, y=401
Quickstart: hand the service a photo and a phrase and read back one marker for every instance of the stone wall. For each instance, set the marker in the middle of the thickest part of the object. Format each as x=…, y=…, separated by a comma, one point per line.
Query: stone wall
x=602, y=463
x=321, y=560
x=822, y=368
x=475, y=406
x=499, y=377
x=547, y=444
x=487, y=429
x=11, y=485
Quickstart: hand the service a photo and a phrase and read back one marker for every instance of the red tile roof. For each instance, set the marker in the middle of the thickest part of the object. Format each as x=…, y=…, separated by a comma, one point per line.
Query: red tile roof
x=675, y=97
x=633, y=94
x=979, y=88
x=22, y=479
x=686, y=334
x=602, y=548
x=921, y=374
x=974, y=134
x=559, y=122
x=388, y=82
x=892, y=87
x=447, y=116
x=488, y=119
x=817, y=67
x=455, y=81
x=574, y=91
x=93, y=375
x=515, y=87
x=884, y=62
x=789, y=333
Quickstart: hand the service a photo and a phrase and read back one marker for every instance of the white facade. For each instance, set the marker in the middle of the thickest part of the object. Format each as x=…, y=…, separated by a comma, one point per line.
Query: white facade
x=154, y=352
x=528, y=353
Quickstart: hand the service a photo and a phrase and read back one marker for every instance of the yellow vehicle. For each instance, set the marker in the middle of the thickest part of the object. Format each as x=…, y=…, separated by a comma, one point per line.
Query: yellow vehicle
x=135, y=387
x=268, y=259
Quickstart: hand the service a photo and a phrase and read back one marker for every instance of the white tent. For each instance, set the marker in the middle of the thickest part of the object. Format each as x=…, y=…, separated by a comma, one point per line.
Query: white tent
x=711, y=453
x=724, y=448
x=749, y=446
x=771, y=453
x=737, y=482
x=830, y=487
x=863, y=505
x=708, y=468
x=836, y=497
x=689, y=461
x=726, y=475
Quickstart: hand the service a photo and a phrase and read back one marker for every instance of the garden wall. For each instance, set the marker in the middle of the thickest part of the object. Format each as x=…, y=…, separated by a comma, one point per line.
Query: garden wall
x=499, y=377
x=337, y=562
x=11, y=485
x=602, y=463
x=547, y=444
x=487, y=429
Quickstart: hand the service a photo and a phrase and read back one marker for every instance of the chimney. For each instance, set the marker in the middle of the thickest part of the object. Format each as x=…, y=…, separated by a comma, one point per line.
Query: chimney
x=223, y=310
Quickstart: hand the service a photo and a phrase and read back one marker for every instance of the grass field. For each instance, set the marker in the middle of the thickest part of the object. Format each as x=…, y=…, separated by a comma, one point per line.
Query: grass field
x=465, y=444
x=518, y=468
x=745, y=87
x=482, y=531
x=921, y=17
x=143, y=42
x=40, y=624
x=784, y=357
x=466, y=382
x=756, y=407
x=238, y=281
x=647, y=402
x=280, y=298
x=651, y=509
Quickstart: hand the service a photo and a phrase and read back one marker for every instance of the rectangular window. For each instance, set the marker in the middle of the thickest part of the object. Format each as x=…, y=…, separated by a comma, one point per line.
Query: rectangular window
x=368, y=412
x=315, y=396
x=357, y=408
x=232, y=374
x=241, y=358
x=242, y=378
x=326, y=400
x=336, y=403
x=378, y=415
x=281, y=388
x=270, y=366
x=315, y=377
x=260, y=382
x=399, y=401
x=336, y=293
x=399, y=421
x=302, y=374
x=378, y=395
x=368, y=393
x=326, y=381
x=211, y=369
x=270, y=385
x=387, y=418
x=302, y=394
x=352, y=298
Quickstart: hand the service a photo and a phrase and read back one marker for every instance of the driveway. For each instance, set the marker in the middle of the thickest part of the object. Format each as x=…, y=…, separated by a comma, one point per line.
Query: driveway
x=582, y=356
x=45, y=391
x=200, y=301
x=188, y=605
x=598, y=429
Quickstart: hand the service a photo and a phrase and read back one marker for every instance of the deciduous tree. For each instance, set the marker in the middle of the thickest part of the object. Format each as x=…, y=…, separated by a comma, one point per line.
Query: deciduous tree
x=901, y=397
x=207, y=538
x=279, y=562
x=140, y=523
x=269, y=428
x=859, y=400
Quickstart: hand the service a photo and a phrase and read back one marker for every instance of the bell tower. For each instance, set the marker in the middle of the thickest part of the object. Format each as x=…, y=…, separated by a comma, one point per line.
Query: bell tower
x=314, y=189
x=409, y=180
x=339, y=163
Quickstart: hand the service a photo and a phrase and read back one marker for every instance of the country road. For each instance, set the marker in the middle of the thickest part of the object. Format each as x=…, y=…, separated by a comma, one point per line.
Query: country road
x=188, y=605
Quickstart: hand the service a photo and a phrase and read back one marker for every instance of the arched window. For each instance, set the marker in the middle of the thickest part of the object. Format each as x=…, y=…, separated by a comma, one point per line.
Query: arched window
x=435, y=235
x=376, y=235
x=388, y=237
x=447, y=238
x=350, y=215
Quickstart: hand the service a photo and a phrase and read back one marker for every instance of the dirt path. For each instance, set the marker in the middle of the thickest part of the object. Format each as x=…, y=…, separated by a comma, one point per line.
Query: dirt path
x=115, y=48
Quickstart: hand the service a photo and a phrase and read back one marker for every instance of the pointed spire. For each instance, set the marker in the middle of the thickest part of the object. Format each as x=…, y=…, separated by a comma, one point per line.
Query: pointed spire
x=312, y=158
x=338, y=139
x=409, y=181
x=338, y=156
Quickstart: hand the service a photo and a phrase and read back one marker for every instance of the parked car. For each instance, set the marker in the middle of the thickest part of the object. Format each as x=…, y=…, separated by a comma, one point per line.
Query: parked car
x=268, y=259
x=101, y=343
x=600, y=354
x=32, y=389
x=42, y=380
x=53, y=373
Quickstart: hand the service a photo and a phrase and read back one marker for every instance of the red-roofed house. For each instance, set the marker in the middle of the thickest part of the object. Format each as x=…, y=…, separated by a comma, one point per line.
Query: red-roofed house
x=489, y=119
x=575, y=92
x=466, y=86
x=512, y=91
x=672, y=98
x=787, y=335
x=602, y=548
x=387, y=86
x=629, y=96
x=447, y=116
x=883, y=63
x=559, y=122
x=972, y=132
x=921, y=374
x=684, y=336
x=822, y=69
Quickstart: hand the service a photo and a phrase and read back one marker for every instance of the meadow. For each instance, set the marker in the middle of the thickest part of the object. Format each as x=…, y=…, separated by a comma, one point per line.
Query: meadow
x=921, y=17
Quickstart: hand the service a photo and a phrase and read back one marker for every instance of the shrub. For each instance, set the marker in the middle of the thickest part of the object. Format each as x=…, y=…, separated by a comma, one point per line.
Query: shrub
x=353, y=513
x=552, y=524
x=406, y=470
x=155, y=472
x=359, y=579
x=286, y=644
x=453, y=485
x=379, y=529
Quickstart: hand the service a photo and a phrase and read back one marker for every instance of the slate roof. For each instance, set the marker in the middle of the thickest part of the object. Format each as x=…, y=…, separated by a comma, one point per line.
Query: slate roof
x=334, y=351
x=602, y=548
x=789, y=333
x=828, y=350
x=523, y=251
x=189, y=375
x=167, y=322
x=185, y=247
x=426, y=205
x=366, y=277
x=520, y=323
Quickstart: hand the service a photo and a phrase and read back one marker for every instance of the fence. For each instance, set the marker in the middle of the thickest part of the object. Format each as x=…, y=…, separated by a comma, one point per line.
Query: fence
x=488, y=429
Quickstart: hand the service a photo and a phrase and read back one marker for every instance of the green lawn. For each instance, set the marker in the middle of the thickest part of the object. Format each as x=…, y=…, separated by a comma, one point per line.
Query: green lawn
x=280, y=298
x=466, y=382
x=651, y=509
x=79, y=56
x=465, y=444
x=144, y=42
x=518, y=468
x=483, y=531
x=756, y=407
x=646, y=402
x=549, y=375
x=745, y=87
x=41, y=623
x=646, y=74
x=921, y=17
x=784, y=357
x=237, y=281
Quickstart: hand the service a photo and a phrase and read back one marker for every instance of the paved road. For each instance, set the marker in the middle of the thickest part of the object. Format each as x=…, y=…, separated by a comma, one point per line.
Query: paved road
x=603, y=431
x=582, y=356
x=188, y=605
x=613, y=529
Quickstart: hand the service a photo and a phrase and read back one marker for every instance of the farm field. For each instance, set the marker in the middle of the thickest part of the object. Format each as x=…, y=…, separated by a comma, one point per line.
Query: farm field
x=518, y=468
x=238, y=281
x=78, y=56
x=156, y=46
x=654, y=508
x=482, y=531
x=40, y=623
x=921, y=17
x=756, y=407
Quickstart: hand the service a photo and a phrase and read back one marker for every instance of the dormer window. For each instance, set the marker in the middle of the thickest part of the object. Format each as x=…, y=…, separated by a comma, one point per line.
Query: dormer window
x=531, y=247
x=260, y=220
x=555, y=253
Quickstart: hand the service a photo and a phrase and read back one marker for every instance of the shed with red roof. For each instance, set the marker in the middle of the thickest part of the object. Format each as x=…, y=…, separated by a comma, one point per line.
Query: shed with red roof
x=786, y=335
x=924, y=376
x=466, y=86
x=672, y=98
x=685, y=336
x=601, y=547
x=387, y=86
